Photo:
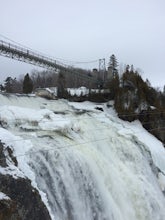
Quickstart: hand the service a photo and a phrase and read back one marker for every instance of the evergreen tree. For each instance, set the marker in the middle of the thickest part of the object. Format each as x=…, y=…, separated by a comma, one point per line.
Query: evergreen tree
x=8, y=84
x=132, y=69
x=61, y=85
x=127, y=68
x=114, y=86
x=27, y=84
x=2, y=88
x=113, y=64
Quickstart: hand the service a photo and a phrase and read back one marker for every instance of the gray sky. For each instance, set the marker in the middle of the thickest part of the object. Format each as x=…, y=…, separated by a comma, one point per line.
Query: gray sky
x=85, y=30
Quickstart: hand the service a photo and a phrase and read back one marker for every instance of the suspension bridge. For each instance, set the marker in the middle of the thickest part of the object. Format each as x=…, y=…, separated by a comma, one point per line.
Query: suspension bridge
x=23, y=54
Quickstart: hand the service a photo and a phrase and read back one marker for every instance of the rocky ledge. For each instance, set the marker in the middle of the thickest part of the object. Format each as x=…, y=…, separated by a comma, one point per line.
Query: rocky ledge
x=22, y=201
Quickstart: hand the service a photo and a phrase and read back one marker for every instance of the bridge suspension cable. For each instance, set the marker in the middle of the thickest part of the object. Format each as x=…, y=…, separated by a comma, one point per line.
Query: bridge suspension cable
x=71, y=62
x=27, y=55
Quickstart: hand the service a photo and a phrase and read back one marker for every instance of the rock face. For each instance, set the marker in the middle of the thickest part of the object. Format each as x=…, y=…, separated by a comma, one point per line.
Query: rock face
x=25, y=202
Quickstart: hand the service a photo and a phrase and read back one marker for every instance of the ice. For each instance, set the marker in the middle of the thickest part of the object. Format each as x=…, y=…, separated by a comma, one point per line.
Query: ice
x=161, y=178
x=87, y=164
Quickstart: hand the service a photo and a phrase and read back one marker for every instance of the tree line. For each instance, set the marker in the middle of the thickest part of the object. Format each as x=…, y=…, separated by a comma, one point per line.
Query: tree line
x=135, y=98
x=44, y=79
x=34, y=80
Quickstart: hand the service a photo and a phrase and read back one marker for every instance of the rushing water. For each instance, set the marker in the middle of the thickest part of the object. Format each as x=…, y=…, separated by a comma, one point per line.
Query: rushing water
x=98, y=176
x=92, y=167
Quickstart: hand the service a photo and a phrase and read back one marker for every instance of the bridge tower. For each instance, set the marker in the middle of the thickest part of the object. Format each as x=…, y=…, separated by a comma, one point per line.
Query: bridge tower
x=102, y=71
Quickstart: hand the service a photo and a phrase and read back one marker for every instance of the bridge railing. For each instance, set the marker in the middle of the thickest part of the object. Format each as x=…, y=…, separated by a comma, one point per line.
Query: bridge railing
x=27, y=55
x=6, y=47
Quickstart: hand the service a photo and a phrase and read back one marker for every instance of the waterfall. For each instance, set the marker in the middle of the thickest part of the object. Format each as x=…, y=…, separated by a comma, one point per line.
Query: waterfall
x=110, y=179
x=88, y=164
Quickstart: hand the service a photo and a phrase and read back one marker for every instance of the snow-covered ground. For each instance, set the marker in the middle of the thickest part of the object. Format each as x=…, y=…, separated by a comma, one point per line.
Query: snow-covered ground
x=83, y=91
x=87, y=164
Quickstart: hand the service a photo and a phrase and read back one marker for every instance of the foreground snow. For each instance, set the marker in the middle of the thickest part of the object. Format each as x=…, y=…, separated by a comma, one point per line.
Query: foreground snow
x=87, y=164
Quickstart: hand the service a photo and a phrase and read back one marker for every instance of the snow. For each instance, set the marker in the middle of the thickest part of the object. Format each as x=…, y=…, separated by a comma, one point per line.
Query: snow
x=161, y=179
x=82, y=91
x=153, y=107
x=3, y=196
x=52, y=90
x=93, y=162
x=151, y=143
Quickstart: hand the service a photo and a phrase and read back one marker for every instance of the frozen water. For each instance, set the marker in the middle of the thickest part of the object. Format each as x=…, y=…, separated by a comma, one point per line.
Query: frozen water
x=86, y=164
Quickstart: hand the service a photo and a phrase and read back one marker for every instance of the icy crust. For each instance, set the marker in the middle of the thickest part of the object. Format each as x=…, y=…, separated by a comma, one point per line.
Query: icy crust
x=33, y=102
x=30, y=119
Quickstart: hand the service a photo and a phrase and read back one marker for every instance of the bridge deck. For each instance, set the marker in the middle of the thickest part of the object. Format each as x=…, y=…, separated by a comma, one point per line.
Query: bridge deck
x=28, y=56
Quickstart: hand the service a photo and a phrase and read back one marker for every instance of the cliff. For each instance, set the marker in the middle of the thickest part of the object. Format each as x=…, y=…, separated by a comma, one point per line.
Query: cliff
x=20, y=201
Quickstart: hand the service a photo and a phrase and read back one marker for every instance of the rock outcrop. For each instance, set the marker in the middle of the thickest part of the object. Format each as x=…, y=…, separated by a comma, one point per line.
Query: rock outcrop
x=23, y=201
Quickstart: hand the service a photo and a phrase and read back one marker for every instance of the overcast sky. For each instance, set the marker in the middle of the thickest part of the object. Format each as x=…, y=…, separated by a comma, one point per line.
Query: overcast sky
x=85, y=30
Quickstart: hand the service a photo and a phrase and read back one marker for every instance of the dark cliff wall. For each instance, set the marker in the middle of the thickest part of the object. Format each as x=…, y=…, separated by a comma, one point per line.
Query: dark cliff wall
x=25, y=202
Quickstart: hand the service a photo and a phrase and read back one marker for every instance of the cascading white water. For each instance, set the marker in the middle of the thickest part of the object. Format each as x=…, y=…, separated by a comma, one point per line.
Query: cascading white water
x=98, y=181
x=92, y=167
